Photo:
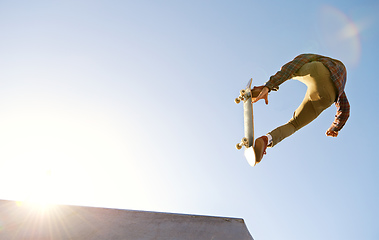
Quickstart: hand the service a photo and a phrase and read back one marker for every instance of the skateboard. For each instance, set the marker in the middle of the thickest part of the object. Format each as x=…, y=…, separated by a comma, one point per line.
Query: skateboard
x=248, y=117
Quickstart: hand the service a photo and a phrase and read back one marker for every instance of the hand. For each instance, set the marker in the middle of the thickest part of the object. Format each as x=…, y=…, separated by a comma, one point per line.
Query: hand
x=331, y=133
x=262, y=95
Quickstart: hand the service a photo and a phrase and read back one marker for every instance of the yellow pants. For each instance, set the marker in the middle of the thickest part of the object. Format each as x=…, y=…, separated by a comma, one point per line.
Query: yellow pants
x=321, y=93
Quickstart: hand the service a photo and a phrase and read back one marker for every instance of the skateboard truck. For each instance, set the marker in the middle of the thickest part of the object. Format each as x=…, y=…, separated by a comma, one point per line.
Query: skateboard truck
x=244, y=142
x=244, y=96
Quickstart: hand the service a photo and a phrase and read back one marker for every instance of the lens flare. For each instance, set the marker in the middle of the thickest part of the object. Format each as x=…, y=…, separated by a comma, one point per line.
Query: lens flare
x=339, y=35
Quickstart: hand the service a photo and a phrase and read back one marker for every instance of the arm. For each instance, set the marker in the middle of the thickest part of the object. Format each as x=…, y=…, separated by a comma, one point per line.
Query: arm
x=288, y=70
x=285, y=73
x=343, y=113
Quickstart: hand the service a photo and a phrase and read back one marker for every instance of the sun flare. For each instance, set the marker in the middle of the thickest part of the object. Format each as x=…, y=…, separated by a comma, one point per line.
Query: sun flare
x=54, y=155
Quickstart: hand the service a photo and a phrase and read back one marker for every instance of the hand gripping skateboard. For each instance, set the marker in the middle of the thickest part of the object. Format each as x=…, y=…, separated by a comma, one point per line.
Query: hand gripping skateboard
x=248, y=117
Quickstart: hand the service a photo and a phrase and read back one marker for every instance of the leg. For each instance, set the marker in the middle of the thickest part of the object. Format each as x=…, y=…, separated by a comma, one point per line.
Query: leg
x=320, y=94
x=304, y=114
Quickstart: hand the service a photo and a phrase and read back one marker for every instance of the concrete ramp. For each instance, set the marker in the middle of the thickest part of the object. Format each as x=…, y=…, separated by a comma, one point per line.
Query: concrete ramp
x=19, y=221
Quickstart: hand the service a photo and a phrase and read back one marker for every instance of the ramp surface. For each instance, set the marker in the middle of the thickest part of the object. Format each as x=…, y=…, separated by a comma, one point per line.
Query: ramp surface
x=23, y=221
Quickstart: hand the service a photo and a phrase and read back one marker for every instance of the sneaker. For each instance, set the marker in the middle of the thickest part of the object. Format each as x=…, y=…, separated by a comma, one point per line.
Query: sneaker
x=260, y=147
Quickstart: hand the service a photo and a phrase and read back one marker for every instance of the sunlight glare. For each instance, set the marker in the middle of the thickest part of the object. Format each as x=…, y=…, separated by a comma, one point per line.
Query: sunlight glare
x=55, y=157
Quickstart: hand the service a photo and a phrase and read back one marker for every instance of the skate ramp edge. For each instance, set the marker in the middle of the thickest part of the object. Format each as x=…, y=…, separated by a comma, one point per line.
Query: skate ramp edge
x=25, y=221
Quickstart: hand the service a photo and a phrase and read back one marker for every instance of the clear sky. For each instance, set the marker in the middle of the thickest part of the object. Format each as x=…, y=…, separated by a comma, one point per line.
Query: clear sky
x=130, y=104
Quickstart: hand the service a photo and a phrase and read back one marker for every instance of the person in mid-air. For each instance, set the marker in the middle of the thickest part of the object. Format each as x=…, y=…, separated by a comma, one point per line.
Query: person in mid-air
x=325, y=79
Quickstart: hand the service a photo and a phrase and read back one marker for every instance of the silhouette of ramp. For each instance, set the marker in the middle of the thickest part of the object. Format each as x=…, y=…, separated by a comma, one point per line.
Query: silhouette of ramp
x=22, y=221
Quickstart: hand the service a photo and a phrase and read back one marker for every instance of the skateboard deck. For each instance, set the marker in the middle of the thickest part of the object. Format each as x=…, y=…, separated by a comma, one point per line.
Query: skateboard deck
x=248, y=117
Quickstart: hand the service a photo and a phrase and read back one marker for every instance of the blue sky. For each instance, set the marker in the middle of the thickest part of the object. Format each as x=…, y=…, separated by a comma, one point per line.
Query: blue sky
x=130, y=104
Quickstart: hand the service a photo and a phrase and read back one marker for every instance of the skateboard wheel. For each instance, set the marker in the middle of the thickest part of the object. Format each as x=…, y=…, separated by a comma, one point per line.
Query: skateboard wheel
x=237, y=100
x=242, y=92
x=238, y=146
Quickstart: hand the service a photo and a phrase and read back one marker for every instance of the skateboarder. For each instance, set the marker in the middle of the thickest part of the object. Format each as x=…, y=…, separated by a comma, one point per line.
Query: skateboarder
x=325, y=79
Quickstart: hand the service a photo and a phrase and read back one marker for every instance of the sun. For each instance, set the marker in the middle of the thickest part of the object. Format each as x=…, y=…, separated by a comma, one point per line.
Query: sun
x=39, y=190
x=57, y=153
x=42, y=179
